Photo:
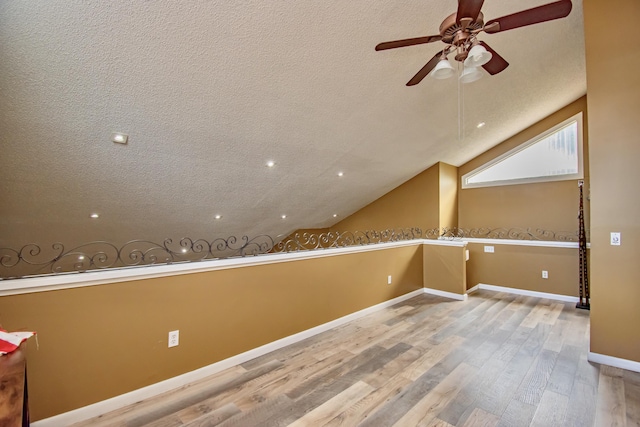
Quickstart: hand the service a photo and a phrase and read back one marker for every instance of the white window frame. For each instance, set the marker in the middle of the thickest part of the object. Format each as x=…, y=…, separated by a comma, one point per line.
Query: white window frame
x=579, y=175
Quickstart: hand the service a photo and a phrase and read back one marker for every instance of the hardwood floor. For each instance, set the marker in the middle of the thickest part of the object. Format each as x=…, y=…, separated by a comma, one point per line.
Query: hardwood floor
x=494, y=360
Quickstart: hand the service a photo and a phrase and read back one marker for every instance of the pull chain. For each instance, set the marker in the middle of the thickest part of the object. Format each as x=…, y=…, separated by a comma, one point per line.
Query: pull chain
x=460, y=106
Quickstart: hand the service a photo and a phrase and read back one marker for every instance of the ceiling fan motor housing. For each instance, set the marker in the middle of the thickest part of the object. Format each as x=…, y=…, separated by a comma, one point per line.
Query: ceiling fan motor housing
x=453, y=33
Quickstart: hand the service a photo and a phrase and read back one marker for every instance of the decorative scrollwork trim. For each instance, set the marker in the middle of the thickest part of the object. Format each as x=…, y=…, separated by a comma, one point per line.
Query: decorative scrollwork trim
x=513, y=233
x=32, y=259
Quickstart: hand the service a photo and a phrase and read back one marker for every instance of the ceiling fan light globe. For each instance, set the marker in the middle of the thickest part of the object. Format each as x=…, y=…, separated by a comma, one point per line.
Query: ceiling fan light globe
x=470, y=74
x=442, y=70
x=478, y=56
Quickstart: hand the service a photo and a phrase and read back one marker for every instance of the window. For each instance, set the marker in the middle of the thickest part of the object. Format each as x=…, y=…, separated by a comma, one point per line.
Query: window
x=552, y=156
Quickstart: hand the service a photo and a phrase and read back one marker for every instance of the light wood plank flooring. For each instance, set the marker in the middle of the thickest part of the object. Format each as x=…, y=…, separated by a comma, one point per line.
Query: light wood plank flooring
x=494, y=360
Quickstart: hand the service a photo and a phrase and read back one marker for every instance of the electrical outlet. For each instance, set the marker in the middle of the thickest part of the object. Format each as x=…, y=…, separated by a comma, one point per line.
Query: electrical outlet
x=489, y=249
x=388, y=280
x=174, y=338
x=545, y=274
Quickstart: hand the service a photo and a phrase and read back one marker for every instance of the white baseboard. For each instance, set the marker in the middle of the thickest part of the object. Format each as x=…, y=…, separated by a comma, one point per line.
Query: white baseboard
x=152, y=390
x=616, y=362
x=459, y=297
x=557, y=297
x=471, y=290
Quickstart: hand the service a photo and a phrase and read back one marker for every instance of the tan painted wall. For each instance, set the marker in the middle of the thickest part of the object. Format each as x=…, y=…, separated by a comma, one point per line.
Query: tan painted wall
x=444, y=268
x=521, y=267
x=549, y=206
x=412, y=204
x=613, y=82
x=101, y=341
x=428, y=200
x=448, y=196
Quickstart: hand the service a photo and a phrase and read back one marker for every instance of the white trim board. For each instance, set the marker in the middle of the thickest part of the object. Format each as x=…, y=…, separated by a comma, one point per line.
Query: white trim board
x=616, y=362
x=444, y=242
x=445, y=294
x=513, y=242
x=525, y=292
x=152, y=390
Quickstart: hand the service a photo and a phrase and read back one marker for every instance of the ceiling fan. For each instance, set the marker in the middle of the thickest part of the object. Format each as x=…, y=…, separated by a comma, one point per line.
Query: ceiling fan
x=459, y=31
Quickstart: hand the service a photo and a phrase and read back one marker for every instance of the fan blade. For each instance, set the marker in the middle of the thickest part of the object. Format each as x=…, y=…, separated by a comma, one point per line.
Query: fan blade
x=543, y=13
x=408, y=42
x=468, y=9
x=497, y=63
x=425, y=70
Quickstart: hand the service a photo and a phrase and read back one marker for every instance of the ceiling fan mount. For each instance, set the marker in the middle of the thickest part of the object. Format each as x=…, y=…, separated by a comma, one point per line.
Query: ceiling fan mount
x=453, y=32
x=460, y=29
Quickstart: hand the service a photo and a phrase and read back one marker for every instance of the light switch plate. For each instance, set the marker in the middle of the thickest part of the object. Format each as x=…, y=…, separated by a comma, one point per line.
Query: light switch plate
x=615, y=239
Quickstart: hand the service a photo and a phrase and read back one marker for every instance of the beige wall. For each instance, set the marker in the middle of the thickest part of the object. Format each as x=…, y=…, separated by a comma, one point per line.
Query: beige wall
x=428, y=200
x=521, y=267
x=448, y=197
x=444, y=268
x=613, y=84
x=101, y=341
x=549, y=206
x=412, y=204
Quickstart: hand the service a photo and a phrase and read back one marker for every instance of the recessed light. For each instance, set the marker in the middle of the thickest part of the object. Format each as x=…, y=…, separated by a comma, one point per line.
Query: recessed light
x=119, y=138
x=271, y=163
x=335, y=215
x=218, y=216
x=283, y=216
x=81, y=257
x=94, y=215
x=481, y=124
x=340, y=173
x=184, y=250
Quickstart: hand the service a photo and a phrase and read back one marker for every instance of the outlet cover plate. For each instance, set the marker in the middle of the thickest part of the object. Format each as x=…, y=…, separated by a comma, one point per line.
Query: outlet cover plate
x=174, y=338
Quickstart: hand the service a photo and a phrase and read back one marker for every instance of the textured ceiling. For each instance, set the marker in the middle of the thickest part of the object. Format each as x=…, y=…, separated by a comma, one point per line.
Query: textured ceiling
x=208, y=91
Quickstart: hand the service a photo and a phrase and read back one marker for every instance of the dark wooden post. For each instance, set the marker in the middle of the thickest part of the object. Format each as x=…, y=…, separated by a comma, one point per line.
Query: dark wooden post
x=582, y=245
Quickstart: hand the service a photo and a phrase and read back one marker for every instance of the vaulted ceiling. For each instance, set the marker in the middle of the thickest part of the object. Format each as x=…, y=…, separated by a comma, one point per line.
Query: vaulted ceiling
x=209, y=91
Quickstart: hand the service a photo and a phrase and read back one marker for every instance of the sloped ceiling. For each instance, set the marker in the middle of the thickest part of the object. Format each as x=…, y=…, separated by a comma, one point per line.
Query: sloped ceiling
x=209, y=91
